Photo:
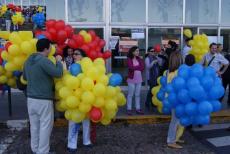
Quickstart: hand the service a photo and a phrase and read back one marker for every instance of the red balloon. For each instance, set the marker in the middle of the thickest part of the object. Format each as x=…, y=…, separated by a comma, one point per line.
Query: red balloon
x=85, y=48
x=98, y=49
x=7, y=45
x=18, y=9
x=93, y=55
x=60, y=25
x=37, y=32
x=92, y=45
x=61, y=36
x=69, y=30
x=95, y=114
x=47, y=34
x=102, y=43
x=1, y=60
x=99, y=55
x=53, y=33
x=50, y=23
x=92, y=33
x=78, y=39
x=107, y=54
x=72, y=44
x=59, y=51
x=97, y=39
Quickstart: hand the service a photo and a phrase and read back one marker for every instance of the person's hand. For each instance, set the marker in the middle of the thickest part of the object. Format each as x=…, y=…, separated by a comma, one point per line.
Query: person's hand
x=58, y=58
x=219, y=73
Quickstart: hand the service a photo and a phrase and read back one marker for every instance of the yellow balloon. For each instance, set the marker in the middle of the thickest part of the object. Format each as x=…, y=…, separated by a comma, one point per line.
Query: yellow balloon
x=63, y=104
x=72, y=102
x=64, y=92
x=103, y=79
x=84, y=107
x=87, y=84
x=23, y=81
x=158, y=80
x=105, y=121
x=9, y=74
x=78, y=92
x=101, y=69
x=99, y=102
x=88, y=97
x=52, y=59
x=121, y=100
x=110, y=114
x=34, y=42
x=188, y=33
x=14, y=50
x=19, y=60
x=99, y=89
x=110, y=104
x=110, y=92
x=77, y=116
x=5, y=55
x=40, y=9
x=11, y=82
x=26, y=35
x=72, y=82
x=3, y=79
x=58, y=85
x=82, y=32
x=52, y=51
x=155, y=90
x=2, y=71
x=99, y=61
x=58, y=107
x=4, y=35
x=92, y=73
x=68, y=114
x=27, y=47
x=15, y=38
x=87, y=38
x=86, y=63
x=10, y=66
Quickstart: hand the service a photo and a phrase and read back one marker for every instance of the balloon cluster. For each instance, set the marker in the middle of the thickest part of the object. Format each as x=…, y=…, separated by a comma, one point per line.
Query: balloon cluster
x=14, y=7
x=3, y=10
x=194, y=94
x=62, y=34
x=199, y=44
x=18, y=18
x=39, y=19
x=85, y=91
x=40, y=9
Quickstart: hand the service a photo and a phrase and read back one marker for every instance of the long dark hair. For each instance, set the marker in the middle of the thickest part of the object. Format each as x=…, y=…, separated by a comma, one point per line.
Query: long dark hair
x=189, y=60
x=83, y=54
x=65, y=51
x=131, y=51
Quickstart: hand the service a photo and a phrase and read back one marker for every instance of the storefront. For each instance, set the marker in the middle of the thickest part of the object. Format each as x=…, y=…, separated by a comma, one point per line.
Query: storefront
x=147, y=22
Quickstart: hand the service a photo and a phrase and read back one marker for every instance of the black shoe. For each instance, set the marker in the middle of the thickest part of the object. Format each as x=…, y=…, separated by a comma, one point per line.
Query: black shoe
x=228, y=129
x=88, y=146
x=200, y=126
x=70, y=150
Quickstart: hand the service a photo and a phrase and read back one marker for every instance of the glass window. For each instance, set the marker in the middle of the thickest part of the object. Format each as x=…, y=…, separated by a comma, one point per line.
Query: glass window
x=85, y=10
x=165, y=11
x=201, y=11
x=25, y=2
x=225, y=12
x=125, y=40
x=17, y=2
x=211, y=33
x=225, y=39
x=128, y=10
x=33, y=2
x=9, y=1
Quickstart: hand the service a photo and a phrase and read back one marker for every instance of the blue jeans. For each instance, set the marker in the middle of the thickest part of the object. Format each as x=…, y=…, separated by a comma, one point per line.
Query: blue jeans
x=133, y=87
x=174, y=123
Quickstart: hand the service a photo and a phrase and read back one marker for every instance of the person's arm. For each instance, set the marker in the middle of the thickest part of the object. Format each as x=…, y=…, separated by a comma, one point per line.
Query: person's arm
x=203, y=60
x=224, y=63
x=130, y=65
x=51, y=69
x=24, y=72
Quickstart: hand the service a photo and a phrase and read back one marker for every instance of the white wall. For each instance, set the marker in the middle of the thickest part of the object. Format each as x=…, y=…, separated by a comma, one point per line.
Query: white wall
x=55, y=9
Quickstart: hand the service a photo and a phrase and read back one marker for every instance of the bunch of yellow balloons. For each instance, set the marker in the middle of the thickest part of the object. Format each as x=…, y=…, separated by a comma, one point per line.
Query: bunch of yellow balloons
x=18, y=18
x=6, y=77
x=78, y=95
x=3, y=10
x=39, y=9
x=155, y=100
x=199, y=44
x=87, y=37
x=22, y=46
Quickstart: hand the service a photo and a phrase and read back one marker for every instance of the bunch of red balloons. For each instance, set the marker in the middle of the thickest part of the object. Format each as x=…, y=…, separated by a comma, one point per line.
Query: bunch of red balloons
x=62, y=34
x=14, y=8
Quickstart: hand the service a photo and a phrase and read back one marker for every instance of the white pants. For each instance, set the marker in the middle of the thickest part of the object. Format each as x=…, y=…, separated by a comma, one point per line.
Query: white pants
x=8, y=25
x=174, y=123
x=131, y=88
x=73, y=133
x=41, y=115
x=15, y=27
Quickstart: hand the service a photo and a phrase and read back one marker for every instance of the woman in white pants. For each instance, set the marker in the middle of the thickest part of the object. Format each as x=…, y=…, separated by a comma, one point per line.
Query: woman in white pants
x=74, y=127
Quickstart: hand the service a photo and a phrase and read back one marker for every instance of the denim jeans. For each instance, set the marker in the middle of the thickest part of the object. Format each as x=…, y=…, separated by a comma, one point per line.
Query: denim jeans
x=174, y=123
x=133, y=87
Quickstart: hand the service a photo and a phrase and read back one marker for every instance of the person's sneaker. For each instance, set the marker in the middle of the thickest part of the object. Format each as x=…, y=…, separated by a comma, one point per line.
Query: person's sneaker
x=175, y=146
x=180, y=141
x=139, y=112
x=70, y=150
x=129, y=112
x=88, y=146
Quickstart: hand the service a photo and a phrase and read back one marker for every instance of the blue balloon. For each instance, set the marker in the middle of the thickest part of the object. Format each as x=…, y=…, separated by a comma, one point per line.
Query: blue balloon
x=161, y=95
x=197, y=93
x=75, y=69
x=172, y=99
x=202, y=119
x=163, y=89
x=191, y=109
x=163, y=81
x=205, y=108
x=166, y=110
x=185, y=121
x=183, y=96
x=17, y=73
x=207, y=82
x=5, y=87
x=217, y=81
x=209, y=71
x=4, y=63
x=183, y=71
x=40, y=36
x=216, y=105
x=216, y=92
x=166, y=104
x=193, y=81
x=169, y=88
x=178, y=83
x=180, y=110
x=39, y=19
x=196, y=70
x=115, y=80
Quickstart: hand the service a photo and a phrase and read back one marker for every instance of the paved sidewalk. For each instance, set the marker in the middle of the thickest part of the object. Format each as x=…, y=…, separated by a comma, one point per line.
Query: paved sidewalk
x=113, y=139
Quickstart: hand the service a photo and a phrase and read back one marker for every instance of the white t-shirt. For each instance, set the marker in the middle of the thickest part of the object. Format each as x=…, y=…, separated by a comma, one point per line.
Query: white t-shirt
x=217, y=62
x=185, y=51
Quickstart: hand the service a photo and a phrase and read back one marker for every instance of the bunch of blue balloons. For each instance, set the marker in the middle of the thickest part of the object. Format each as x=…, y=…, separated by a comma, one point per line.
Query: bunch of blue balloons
x=39, y=19
x=193, y=94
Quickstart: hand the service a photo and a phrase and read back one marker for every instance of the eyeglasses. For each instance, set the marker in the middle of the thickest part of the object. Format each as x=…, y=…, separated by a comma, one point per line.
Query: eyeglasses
x=76, y=53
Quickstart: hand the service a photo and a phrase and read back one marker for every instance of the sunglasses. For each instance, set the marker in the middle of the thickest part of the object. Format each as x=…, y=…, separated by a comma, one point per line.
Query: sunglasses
x=76, y=53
